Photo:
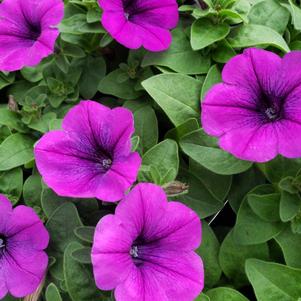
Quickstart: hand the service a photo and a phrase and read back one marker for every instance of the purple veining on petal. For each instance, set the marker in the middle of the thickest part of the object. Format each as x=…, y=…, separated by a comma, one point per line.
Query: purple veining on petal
x=28, y=31
x=91, y=156
x=23, y=239
x=255, y=107
x=146, y=250
x=136, y=23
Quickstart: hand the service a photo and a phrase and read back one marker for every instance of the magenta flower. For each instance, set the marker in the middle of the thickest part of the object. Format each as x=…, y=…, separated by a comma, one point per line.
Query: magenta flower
x=23, y=238
x=27, y=31
x=256, y=112
x=136, y=23
x=91, y=156
x=146, y=250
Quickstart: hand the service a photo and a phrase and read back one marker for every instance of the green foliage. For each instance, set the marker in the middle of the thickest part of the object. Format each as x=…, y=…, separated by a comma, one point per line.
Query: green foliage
x=253, y=245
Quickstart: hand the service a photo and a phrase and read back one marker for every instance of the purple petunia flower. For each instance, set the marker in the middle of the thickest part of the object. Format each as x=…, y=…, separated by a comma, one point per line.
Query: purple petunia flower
x=146, y=250
x=23, y=238
x=256, y=112
x=91, y=156
x=136, y=23
x=27, y=31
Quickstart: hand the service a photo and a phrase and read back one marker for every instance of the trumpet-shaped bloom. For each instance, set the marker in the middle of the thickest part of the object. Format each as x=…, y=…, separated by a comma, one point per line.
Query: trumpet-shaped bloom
x=23, y=238
x=27, y=31
x=256, y=111
x=91, y=156
x=146, y=250
x=136, y=23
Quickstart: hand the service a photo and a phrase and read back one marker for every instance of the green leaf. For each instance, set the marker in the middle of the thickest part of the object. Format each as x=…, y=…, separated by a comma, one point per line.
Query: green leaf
x=215, y=159
x=32, y=191
x=232, y=258
x=213, y=77
x=204, y=33
x=125, y=89
x=183, y=129
x=15, y=150
x=225, y=294
x=79, y=279
x=61, y=233
x=272, y=281
x=52, y=293
x=146, y=127
x=296, y=15
x=209, y=253
x=256, y=35
x=204, y=196
x=290, y=245
x=94, y=70
x=42, y=124
x=11, y=120
x=202, y=297
x=179, y=57
x=11, y=183
x=164, y=157
x=82, y=255
x=288, y=184
x=6, y=79
x=242, y=184
x=223, y=52
x=85, y=233
x=51, y=201
x=176, y=94
x=280, y=168
x=77, y=24
x=290, y=204
x=266, y=206
x=250, y=229
x=271, y=14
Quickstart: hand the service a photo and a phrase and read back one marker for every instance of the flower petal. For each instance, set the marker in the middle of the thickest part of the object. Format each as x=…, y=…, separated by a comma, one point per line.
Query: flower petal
x=6, y=209
x=85, y=118
x=25, y=225
x=228, y=107
x=133, y=35
x=19, y=281
x=142, y=208
x=146, y=213
x=167, y=276
x=289, y=135
x=3, y=288
x=119, y=178
x=161, y=13
x=111, y=5
x=289, y=76
x=110, y=253
x=64, y=166
x=255, y=70
x=253, y=143
x=117, y=129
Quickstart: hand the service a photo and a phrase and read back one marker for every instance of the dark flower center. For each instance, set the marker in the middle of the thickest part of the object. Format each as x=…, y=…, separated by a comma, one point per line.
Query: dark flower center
x=270, y=107
x=102, y=158
x=134, y=252
x=3, y=243
x=34, y=31
x=130, y=8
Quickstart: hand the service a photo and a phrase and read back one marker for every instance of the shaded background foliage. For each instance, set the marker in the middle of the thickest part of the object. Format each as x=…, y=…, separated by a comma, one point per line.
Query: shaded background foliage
x=251, y=250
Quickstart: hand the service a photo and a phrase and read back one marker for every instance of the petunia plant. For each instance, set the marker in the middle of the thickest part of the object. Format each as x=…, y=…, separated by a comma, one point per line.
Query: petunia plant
x=150, y=150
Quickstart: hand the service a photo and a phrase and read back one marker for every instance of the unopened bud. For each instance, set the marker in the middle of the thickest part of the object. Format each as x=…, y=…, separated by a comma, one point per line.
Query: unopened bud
x=175, y=188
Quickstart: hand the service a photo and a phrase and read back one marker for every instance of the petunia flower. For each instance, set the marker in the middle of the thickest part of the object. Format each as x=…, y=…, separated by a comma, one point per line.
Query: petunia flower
x=256, y=111
x=91, y=156
x=23, y=238
x=136, y=23
x=27, y=31
x=146, y=250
